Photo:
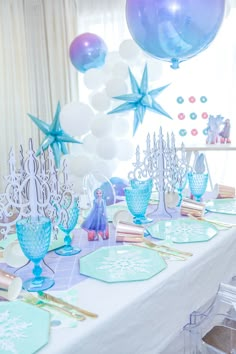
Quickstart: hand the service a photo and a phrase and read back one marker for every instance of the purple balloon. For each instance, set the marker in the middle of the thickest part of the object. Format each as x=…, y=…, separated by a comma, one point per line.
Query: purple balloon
x=174, y=30
x=87, y=51
x=119, y=186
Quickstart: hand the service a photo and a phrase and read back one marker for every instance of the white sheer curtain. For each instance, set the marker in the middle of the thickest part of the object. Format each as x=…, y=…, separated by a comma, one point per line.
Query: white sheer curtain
x=14, y=89
x=35, y=69
x=106, y=18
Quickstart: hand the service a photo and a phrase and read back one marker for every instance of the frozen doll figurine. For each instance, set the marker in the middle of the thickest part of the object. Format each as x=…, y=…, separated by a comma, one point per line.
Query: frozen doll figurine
x=96, y=222
x=225, y=133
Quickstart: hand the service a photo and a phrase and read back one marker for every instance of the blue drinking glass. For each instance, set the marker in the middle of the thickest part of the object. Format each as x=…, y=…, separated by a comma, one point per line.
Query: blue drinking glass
x=67, y=224
x=145, y=185
x=34, y=236
x=137, y=201
x=179, y=186
x=197, y=184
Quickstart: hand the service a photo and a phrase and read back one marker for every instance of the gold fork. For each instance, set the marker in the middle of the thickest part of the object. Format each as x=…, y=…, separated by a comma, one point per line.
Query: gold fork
x=163, y=252
x=66, y=312
x=167, y=248
x=65, y=304
x=214, y=222
x=31, y=299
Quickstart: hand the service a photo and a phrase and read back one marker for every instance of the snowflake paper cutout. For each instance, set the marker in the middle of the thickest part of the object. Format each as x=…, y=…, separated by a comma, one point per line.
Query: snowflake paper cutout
x=11, y=327
x=125, y=265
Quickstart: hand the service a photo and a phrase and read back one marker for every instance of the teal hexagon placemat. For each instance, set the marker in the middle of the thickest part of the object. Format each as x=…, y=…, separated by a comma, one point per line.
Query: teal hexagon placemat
x=24, y=329
x=122, y=264
x=223, y=206
x=183, y=230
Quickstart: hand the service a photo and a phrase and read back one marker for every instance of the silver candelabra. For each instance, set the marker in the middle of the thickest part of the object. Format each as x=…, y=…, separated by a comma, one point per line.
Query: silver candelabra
x=35, y=189
x=160, y=162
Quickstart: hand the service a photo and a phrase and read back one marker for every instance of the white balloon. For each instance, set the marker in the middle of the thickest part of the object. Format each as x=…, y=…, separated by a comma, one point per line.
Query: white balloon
x=129, y=50
x=90, y=143
x=106, y=148
x=77, y=149
x=76, y=118
x=232, y=3
x=77, y=183
x=104, y=168
x=125, y=150
x=102, y=125
x=111, y=59
x=94, y=78
x=116, y=87
x=107, y=73
x=155, y=69
x=100, y=101
x=120, y=69
x=228, y=6
x=120, y=126
x=80, y=165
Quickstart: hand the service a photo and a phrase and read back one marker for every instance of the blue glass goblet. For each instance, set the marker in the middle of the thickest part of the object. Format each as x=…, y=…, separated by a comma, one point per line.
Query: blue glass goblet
x=67, y=225
x=197, y=184
x=145, y=185
x=179, y=186
x=34, y=236
x=137, y=201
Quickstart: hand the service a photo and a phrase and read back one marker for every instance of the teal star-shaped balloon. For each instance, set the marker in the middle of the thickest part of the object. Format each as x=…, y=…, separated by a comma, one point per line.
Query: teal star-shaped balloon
x=55, y=137
x=140, y=100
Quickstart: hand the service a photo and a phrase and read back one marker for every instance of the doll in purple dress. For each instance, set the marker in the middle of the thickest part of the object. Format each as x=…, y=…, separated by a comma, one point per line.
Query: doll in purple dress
x=96, y=222
x=225, y=133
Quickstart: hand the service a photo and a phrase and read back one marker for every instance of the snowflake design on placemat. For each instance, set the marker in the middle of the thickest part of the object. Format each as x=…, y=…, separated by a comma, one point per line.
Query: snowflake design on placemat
x=125, y=264
x=182, y=231
x=185, y=229
x=11, y=327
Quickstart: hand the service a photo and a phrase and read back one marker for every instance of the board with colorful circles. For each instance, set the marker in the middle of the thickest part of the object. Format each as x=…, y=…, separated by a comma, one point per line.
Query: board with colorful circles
x=193, y=116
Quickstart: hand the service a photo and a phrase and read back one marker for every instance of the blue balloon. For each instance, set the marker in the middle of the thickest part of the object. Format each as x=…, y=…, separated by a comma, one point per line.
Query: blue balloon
x=119, y=186
x=88, y=51
x=174, y=30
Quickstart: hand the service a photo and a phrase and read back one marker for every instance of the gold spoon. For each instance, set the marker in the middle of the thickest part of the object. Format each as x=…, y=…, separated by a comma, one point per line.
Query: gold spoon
x=152, y=244
x=59, y=301
x=215, y=222
x=32, y=300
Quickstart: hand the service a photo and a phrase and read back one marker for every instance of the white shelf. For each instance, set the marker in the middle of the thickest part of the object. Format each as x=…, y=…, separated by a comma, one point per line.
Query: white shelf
x=209, y=147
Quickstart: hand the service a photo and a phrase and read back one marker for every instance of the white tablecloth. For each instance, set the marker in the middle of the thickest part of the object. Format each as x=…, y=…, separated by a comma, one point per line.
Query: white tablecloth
x=143, y=317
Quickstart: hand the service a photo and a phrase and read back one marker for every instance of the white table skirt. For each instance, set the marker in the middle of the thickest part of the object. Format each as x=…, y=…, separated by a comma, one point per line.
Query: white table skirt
x=143, y=317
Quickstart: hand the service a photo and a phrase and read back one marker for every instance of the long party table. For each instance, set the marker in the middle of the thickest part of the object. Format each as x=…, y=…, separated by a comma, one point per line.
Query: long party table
x=139, y=317
x=143, y=317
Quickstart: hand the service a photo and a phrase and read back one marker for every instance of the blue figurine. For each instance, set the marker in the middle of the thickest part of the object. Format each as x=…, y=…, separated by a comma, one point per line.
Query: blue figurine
x=96, y=222
x=225, y=133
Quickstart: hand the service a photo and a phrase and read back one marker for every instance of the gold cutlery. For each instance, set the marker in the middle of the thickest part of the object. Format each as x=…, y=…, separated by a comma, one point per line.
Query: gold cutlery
x=220, y=223
x=215, y=222
x=169, y=255
x=65, y=304
x=32, y=300
x=163, y=253
x=74, y=315
x=167, y=248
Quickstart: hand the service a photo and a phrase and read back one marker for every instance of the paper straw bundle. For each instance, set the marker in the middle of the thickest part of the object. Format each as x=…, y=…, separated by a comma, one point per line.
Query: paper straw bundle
x=224, y=191
x=189, y=206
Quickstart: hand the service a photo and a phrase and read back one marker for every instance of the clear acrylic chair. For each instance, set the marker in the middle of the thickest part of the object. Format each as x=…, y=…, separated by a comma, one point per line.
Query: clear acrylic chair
x=213, y=329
